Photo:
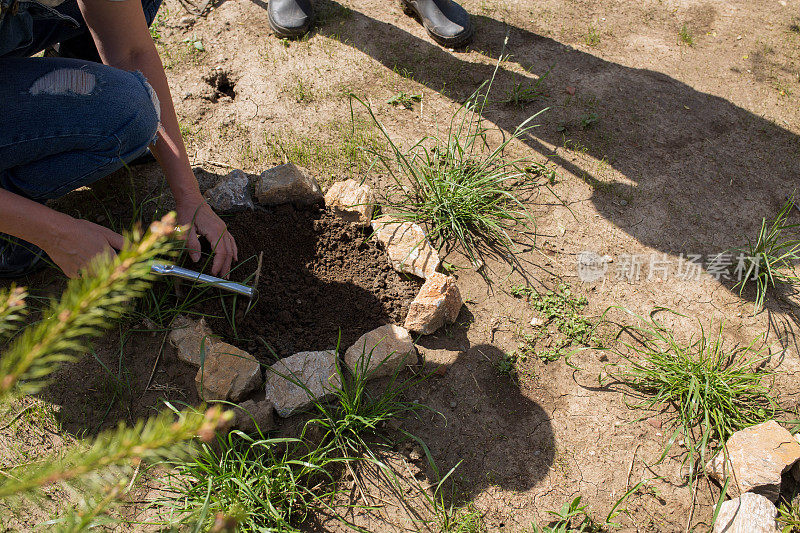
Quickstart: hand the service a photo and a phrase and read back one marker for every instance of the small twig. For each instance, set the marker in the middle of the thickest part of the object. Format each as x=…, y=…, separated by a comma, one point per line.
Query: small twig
x=133, y=477
x=217, y=164
x=630, y=469
x=16, y=416
x=158, y=358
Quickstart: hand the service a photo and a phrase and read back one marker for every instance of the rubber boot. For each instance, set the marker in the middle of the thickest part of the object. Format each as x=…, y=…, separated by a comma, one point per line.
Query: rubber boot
x=290, y=18
x=447, y=22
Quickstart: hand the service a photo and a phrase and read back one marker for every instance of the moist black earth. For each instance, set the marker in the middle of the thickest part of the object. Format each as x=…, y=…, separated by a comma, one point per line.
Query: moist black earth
x=321, y=278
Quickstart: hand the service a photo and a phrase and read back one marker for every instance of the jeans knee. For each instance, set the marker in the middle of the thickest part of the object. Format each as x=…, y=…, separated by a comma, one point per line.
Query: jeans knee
x=143, y=116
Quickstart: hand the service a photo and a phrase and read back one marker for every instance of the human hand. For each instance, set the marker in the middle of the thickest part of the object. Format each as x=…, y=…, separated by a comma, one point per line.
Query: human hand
x=202, y=220
x=79, y=242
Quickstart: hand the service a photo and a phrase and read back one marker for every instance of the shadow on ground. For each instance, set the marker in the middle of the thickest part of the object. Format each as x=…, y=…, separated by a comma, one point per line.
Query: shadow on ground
x=480, y=423
x=702, y=171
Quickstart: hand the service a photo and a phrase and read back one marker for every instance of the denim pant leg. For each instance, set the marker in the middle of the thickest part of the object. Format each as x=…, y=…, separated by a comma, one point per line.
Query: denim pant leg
x=65, y=123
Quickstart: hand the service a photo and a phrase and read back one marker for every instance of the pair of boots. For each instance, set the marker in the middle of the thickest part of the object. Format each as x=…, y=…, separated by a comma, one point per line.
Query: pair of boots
x=447, y=22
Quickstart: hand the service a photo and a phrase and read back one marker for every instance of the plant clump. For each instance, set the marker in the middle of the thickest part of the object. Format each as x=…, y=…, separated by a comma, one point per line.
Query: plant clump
x=772, y=258
x=459, y=185
x=708, y=388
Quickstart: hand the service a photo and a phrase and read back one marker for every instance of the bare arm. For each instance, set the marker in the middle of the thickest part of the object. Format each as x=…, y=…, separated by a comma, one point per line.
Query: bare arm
x=55, y=232
x=120, y=32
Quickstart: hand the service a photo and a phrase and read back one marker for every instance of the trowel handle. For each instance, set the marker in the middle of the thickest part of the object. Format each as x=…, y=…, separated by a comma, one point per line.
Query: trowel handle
x=184, y=273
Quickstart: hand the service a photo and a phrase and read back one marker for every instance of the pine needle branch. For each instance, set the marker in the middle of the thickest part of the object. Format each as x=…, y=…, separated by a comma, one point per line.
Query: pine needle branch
x=160, y=437
x=12, y=309
x=86, y=308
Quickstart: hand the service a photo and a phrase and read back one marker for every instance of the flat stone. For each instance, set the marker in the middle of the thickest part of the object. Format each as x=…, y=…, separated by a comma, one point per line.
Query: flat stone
x=231, y=194
x=407, y=246
x=757, y=456
x=192, y=338
x=438, y=303
x=350, y=201
x=381, y=352
x=317, y=371
x=228, y=373
x=251, y=417
x=750, y=513
x=287, y=184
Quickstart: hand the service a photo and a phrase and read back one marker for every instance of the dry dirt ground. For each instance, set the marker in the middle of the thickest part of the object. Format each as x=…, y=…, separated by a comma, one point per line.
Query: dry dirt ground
x=672, y=127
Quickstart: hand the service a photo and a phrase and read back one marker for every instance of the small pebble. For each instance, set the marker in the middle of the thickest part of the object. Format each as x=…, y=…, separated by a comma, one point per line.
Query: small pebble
x=453, y=405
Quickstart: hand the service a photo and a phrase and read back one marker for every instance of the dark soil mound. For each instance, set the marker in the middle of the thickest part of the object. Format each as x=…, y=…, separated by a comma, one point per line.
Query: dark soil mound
x=319, y=276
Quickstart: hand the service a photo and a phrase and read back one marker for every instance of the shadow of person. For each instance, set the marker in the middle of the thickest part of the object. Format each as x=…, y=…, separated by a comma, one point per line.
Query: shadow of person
x=698, y=172
x=482, y=425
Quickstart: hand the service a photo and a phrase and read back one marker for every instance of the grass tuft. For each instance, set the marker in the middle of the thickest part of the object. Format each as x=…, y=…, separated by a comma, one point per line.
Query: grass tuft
x=520, y=95
x=264, y=484
x=789, y=516
x=458, y=185
x=274, y=484
x=592, y=36
x=575, y=518
x=708, y=389
x=357, y=414
x=772, y=257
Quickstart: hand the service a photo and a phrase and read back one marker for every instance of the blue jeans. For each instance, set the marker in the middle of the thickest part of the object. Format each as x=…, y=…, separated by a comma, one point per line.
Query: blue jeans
x=65, y=123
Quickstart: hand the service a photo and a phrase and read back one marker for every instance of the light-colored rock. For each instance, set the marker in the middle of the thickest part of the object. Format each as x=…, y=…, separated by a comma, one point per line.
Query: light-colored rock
x=750, y=513
x=287, y=184
x=438, y=303
x=191, y=338
x=318, y=373
x=251, y=416
x=227, y=373
x=231, y=194
x=757, y=456
x=407, y=246
x=381, y=352
x=351, y=201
